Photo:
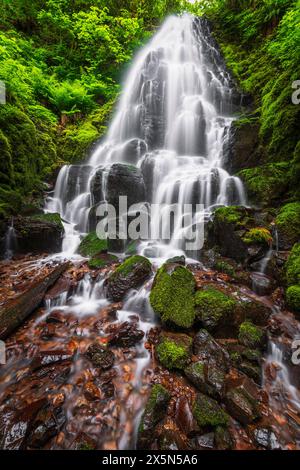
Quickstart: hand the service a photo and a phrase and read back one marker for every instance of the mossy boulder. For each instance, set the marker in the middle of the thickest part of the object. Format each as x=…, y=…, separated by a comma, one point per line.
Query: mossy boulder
x=214, y=308
x=288, y=225
x=155, y=410
x=266, y=184
x=242, y=401
x=172, y=295
x=292, y=266
x=258, y=236
x=92, y=245
x=251, y=336
x=208, y=413
x=131, y=274
x=41, y=233
x=174, y=350
x=293, y=298
x=101, y=260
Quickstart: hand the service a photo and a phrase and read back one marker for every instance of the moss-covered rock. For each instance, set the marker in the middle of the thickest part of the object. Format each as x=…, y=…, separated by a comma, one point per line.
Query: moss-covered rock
x=174, y=350
x=251, y=336
x=155, y=410
x=102, y=260
x=224, y=267
x=258, y=236
x=288, y=225
x=242, y=401
x=92, y=245
x=293, y=298
x=172, y=295
x=213, y=307
x=266, y=184
x=53, y=218
x=131, y=274
x=208, y=413
x=292, y=266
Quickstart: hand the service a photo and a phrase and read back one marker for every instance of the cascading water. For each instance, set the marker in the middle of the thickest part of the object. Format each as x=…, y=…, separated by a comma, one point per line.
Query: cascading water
x=172, y=123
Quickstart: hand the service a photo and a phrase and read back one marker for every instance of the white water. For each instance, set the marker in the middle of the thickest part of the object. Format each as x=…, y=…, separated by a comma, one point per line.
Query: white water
x=172, y=122
x=10, y=242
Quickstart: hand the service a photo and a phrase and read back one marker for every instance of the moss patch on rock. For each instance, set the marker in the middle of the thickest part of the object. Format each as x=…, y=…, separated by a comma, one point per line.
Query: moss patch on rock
x=293, y=298
x=102, y=260
x=208, y=413
x=213, y=307
x=172, y=295
x=155, y=410
x=231, y=215
x=258, y=236
x=250, y=335
x=53, y=218
x=91, y=245
x=293, y=266
x=288, y=223
x=173, y=351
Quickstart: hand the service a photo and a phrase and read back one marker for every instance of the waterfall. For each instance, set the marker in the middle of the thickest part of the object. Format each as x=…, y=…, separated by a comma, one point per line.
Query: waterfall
x=10, y=242
x=171, y=123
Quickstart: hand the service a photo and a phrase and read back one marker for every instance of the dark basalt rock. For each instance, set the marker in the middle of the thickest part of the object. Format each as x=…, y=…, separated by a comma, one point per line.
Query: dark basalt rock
x=133, y=150
x=242, y=401
x=124, y=335
x=207, y=378
x=100, y=357
x=266, y=438
x=209, y=351
x=129, y=275
x=96, y=186
x=184, y=417
x=38, y=235
x=241, y=150
x=46, y=425
x=77, y=180
x=125, y=180
x=170, y=439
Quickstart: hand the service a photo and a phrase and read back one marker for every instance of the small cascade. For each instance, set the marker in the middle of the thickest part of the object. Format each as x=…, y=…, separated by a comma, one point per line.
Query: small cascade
x=10, y=243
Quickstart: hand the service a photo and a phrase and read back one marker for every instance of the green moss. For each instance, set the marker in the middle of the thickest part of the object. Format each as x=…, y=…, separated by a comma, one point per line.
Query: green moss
x=225, y=268
x=250, y=335
x=292, y=266
x=231, y=215
x=101, y=262
x=207, y=412
x=91, y=245
x=155, y=408
x=266, y=184
x=293, y=298
x=258, y=236
x=213, y=306
x=53, y=218
x=172, y=295
x=174, y=353
x=125, y=268
x=288, y=222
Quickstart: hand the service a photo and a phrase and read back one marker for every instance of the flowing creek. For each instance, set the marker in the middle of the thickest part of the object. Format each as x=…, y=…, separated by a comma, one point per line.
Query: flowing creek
x=172, y=123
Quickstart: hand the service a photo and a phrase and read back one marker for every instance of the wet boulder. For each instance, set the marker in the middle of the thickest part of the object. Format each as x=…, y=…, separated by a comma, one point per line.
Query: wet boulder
x=124, y=180
x=214, y=308
x=287, y=225
x=241, y=150
x=124, y=334
x=209, y=351
x=174, y=350
x=92, y=245
x=172, y=295
x=207, y=378
x=242, y=401
x=96, y=186
x=100, y=357
x=155, y=411
x=42, y=233
x=77, y=178
x=133, y=150
x=208, y=413
x=266, y=438
x=184, y=417
x=46, y=425
x=131, y=274
x=252, y=336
